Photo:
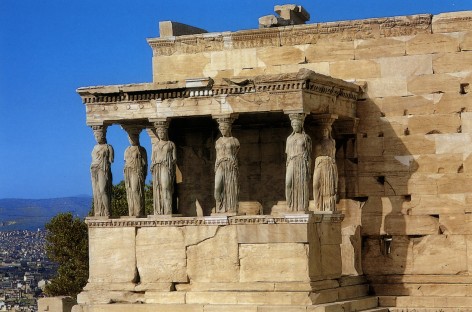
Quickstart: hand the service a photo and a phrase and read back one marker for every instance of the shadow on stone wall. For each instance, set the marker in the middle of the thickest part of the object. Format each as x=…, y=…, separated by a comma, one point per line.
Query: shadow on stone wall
x=384, y=169
x=261, y=160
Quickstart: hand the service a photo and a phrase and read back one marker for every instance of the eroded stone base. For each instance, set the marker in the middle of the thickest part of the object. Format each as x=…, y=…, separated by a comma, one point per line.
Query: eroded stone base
x=233, y=263
x=258, y=293
x=289, y=260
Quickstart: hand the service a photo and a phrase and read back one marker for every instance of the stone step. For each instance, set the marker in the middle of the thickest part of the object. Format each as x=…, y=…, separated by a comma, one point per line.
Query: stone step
x=367, y=304
x=436, y=303
x=359, y=304
x=292, y=296
x=422, y=289
x=429, y=309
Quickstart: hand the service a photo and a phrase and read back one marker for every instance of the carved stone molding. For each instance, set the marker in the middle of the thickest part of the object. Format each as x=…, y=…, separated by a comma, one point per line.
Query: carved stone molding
x=143, y=95
x=225, y=118
x=132, y=129
x=324, y=120
x=160, y=122
x=303, y=90
x=331, y=90
x=293, y=35
x=326, y=216
x=303, y=218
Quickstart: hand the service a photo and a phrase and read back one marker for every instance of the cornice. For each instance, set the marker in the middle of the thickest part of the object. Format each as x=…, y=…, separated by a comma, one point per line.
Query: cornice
x=293, y=35
x=304, y=80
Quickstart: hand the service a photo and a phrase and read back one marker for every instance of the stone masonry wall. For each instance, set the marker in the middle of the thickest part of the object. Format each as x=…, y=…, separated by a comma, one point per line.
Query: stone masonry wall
x=409, y=170
x=262, y=260
x=261, y=158
x=261, y=163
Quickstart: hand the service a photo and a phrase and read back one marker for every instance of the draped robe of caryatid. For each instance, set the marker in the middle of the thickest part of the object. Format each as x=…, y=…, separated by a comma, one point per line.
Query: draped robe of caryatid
x=163, y=176
x=100, y=169
x=226, y=174
x=135, y=171
x=298, y=150
x=325, y=177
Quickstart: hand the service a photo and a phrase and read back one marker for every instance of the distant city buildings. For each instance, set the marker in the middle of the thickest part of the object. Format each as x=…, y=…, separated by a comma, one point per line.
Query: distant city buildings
x=24, y=269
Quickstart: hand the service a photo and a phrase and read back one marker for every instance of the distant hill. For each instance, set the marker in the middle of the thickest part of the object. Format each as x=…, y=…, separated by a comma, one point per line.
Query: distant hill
x=31, y=214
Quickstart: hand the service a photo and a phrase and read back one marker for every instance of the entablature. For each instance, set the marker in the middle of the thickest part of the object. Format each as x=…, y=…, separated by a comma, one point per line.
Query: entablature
x=303, y=91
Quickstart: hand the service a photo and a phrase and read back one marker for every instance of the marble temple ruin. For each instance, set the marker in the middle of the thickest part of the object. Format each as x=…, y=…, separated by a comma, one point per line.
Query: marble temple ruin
x=295, y=167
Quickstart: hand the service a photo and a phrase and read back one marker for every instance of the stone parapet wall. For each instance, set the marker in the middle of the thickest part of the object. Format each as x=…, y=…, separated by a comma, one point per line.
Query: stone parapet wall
x=278, y=260
x=293, y=35
x=325, y=48
x=56, y=304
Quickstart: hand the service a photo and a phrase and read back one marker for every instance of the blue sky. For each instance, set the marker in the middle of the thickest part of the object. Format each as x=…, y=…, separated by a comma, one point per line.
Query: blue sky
x=50, y=48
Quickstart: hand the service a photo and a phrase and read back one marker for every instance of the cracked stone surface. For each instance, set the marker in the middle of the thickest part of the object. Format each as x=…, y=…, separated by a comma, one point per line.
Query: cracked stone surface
x=215, y=259
x=160, y=254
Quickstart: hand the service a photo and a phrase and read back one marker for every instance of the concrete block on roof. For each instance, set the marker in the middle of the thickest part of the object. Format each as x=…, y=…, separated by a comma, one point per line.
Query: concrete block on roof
x=292, y=12
x=169, y=29
x=289, y=14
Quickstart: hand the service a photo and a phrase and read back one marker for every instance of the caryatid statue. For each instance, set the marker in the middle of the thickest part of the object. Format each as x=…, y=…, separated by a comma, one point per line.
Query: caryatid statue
x=100, y=169
x=298, y=166
x=226, y=169
x=164, y=158
x=325, y=177
x=135, y=171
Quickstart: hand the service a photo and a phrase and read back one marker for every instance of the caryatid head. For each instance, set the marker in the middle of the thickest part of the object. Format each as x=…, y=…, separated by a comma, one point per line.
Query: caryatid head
x=325, y=125
x=224, y=125
x=296, y=121
x=100, y=134
x=326, y=132
x=162, y=129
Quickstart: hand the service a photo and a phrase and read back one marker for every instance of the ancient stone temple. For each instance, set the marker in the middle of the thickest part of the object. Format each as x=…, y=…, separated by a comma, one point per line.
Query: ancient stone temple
x=295, y=167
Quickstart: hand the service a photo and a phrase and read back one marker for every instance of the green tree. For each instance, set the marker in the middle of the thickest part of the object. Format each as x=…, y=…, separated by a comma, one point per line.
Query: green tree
x=119, y=204
x=148, y=209
x=67, y=245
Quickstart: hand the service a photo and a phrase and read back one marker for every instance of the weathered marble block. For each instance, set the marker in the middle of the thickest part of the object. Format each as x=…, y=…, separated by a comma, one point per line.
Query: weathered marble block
x=112, y=251
x=174, y=260
x=160, y=255
x=271, y=262
x=215, y=259
x=62, y=304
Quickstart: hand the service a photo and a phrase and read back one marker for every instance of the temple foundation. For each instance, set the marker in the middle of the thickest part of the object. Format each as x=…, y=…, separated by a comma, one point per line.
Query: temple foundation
x=286, y=260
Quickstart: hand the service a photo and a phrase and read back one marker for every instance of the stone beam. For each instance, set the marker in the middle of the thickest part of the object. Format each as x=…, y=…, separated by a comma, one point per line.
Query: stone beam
x=304, y=91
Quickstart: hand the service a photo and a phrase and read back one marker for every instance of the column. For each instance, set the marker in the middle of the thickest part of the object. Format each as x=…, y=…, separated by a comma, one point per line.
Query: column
x=325, y=176
x=298, y=165
x=163, y=167
x=135, y=172
x=100, y=169
x=226, y=167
